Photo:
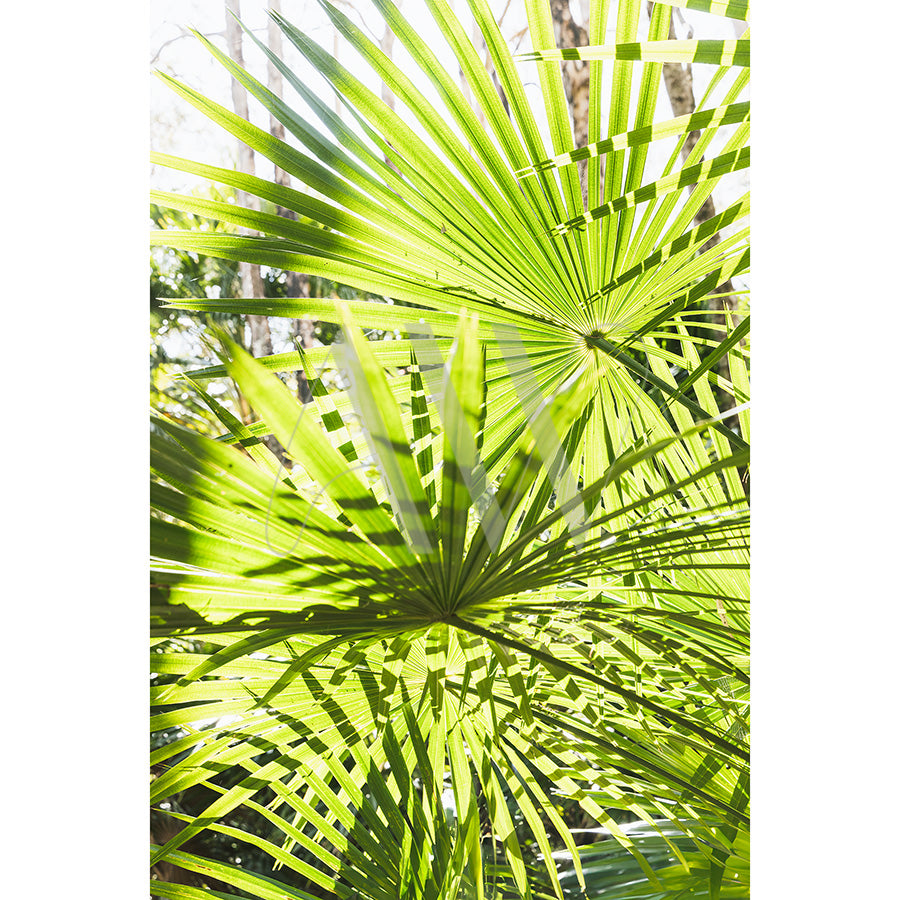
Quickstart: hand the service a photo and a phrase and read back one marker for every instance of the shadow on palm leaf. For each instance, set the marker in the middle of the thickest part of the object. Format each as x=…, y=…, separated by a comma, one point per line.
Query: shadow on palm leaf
x=408, y=632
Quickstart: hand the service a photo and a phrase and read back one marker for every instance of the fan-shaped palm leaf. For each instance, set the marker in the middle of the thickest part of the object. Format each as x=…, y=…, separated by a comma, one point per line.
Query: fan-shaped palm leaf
x=517, y=568
x=450, y=214
x=379, y=604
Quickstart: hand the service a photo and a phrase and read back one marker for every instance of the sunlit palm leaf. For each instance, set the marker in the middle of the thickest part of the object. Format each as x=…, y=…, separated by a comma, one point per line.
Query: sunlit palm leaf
x=509, y=561
x=481, y=242
x=309, y=691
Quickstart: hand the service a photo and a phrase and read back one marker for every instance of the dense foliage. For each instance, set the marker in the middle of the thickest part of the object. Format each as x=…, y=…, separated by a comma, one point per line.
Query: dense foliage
x=504, y=574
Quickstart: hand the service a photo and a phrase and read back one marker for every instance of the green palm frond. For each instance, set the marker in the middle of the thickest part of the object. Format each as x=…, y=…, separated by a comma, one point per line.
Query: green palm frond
x=507, y=568
x=370, y=603
x=501, y=235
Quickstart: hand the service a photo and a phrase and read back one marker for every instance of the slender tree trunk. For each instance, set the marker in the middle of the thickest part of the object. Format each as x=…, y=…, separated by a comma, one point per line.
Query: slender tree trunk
x=251, y=277
x=680, y=88
x=387, y=48
x=387, y=95
x=276, y=86
x=569, y=33
x=482, y=49
x=163, y=830
x=463, y=81
x=297, y=283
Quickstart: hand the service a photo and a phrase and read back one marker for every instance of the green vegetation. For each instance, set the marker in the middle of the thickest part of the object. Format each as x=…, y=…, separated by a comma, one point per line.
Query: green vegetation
x=485, y=633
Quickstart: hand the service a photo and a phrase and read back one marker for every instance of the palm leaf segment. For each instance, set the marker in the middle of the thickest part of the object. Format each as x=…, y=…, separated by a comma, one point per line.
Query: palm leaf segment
x=464, y=207
x=415, y=628
x=595, y=651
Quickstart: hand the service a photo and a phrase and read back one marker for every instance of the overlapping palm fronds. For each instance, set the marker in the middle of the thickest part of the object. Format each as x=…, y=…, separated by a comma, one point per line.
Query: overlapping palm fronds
x=452, y=214
x=509, y=563
x=406, y=599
